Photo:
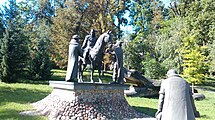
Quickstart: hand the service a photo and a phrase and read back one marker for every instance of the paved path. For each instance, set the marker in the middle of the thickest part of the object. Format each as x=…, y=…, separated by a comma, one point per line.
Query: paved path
x=142, y=119
x=33, y=113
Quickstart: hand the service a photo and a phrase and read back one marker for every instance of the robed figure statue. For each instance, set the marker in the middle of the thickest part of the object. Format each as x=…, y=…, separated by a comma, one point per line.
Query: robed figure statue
x=74, y=52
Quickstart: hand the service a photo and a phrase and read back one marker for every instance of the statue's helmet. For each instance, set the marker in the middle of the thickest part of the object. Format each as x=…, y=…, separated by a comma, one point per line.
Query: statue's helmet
x=76, y=37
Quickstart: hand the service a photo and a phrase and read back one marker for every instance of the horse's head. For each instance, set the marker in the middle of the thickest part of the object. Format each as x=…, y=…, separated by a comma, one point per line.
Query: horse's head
x=108, y=37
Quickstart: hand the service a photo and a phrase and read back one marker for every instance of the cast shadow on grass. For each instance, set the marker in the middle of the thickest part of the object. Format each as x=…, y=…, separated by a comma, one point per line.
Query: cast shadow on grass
x=151, y=112
x=12, y=114
x=59, y=75
x=27, y=81
x=148, y=111
x=204, y=116
x=21, y=95
x=209, y=84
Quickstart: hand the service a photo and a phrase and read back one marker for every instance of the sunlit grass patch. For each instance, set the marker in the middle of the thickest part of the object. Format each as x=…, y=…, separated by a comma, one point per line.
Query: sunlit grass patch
x=15, y=98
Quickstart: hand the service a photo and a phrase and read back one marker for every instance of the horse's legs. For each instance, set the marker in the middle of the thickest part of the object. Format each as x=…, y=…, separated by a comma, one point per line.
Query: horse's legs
x=80, y=72
x=92, y=71
x=83, y=68
x=99, y=70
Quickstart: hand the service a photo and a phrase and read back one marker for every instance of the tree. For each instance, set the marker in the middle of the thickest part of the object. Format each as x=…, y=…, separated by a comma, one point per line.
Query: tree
x=40, y=64
x=5, y=72
x=78, y=17
x=38, y=15
x=168, y=41
x=14, y=45
x=118, y=9
x=194, y=60
x=14, y=55
x=134, y=55
x=143, y=12
x=146, y=18
x=152, y=68
x=212, y=58
x=65, y=24
x=1, y=27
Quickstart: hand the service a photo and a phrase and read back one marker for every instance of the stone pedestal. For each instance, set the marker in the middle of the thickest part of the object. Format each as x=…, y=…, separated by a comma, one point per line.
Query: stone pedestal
x=86, y=101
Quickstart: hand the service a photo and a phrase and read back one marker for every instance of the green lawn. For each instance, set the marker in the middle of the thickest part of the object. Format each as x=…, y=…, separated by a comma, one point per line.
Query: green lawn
x=149, y=105
x=15, y=98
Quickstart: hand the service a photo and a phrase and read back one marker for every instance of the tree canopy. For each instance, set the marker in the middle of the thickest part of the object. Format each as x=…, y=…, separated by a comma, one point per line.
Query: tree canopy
x=34, y=35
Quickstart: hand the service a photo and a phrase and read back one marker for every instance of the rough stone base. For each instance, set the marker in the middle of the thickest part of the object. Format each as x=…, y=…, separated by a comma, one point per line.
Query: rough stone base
x=85, y=101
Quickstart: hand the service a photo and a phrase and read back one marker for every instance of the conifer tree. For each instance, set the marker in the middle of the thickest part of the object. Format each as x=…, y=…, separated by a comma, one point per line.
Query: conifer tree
x=4, y=59
x=14, y=49
x=40, y=63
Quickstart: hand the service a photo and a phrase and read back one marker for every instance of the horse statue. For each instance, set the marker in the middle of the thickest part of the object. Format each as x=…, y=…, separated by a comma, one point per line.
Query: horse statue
x=95, y=57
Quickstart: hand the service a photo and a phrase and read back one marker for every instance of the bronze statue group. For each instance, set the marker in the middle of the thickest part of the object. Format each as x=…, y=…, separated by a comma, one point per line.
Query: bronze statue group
x=91, y=52
x=175, y=96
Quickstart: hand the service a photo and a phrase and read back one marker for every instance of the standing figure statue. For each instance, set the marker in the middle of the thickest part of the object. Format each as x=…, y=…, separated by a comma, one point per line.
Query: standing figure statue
x=175, y=99
x=118, y=73
x=74, y=53
x=88, y=44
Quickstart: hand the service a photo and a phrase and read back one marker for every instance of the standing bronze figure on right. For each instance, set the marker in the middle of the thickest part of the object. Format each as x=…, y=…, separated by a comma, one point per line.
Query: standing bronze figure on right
x=175, y=99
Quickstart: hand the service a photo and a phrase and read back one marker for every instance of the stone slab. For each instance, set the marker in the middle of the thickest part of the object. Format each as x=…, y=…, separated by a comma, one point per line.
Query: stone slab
x=73, y=86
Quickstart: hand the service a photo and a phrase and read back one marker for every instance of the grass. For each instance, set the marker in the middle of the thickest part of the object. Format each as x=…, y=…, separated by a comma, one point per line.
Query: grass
x=208, y=84
x=149, y=105
x=15, y=98
x=60, y=76
x=145, y=105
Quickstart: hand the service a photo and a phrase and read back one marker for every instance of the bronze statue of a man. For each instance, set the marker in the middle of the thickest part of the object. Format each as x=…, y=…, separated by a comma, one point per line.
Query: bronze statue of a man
x=118, y=73
x=74, y=52
x=88, y=43
x=175, y=99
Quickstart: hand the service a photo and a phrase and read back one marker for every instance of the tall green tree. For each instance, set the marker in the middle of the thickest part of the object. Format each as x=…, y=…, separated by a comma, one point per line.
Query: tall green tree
x=133, y=55
x=194, y=60
x=14, y=45
x=168, y=41
x=14, y=55
x=38, y=29
x=2, y=29
x=187, y=17
x=78, y=17
x=146, y=17
x=5, y=72
x=67, y=22
x=40, y=64
x=117, y=9
x=143, y=12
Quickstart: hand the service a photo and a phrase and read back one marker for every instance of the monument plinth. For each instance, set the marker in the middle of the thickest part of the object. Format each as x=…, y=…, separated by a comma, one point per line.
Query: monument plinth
x=86, y=101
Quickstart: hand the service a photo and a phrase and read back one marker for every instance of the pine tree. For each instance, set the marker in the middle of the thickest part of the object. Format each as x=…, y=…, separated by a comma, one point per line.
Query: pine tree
x=14, y=48
x=5, y=73
x=40, y=63
x=1, y=27
x=14, y=54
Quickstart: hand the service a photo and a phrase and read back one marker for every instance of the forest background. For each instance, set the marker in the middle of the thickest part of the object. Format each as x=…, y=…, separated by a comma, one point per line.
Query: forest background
x=35, y=34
